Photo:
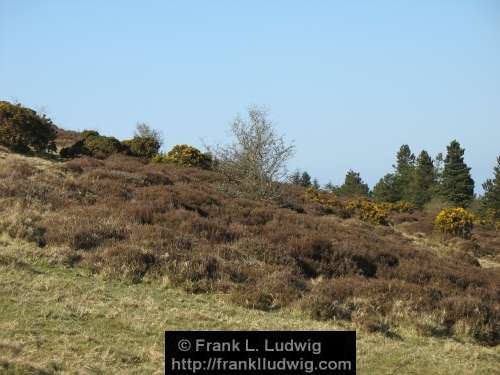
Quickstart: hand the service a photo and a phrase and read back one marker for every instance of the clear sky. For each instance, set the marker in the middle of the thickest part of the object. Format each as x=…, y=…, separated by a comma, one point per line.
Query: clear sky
x=347, y=81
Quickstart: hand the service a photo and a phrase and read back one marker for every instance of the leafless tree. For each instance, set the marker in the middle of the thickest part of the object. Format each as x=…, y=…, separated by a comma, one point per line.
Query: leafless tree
x=256, y=161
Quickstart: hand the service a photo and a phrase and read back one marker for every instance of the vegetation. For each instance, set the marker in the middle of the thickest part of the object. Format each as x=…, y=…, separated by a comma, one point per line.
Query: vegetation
x=353, y=186
x=95, y=145
x=301, y=179
x=425, y=179
x=376, y=265
x=23, y=130
x=187, y=156
x=455, y=222
x=146, y=142
x=385, y=190
x=256, y=160
x=72, y=321
x=457, y=185
x=491, y=199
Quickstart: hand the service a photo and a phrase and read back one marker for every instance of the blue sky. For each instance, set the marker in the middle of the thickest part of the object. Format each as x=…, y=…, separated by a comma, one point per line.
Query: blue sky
x=347, y=81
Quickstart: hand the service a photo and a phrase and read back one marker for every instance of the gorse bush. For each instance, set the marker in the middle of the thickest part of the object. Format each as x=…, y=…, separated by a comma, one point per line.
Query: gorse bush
x=366, y=210
x=402, y=207
x=94, y=144
x=23, y=130
x=373, y=213
x=324, y=198
x=185, y=155
x=102, y=147
x=455, y=222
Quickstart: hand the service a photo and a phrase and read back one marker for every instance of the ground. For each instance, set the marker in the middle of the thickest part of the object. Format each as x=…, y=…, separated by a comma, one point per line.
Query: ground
x=56, y=319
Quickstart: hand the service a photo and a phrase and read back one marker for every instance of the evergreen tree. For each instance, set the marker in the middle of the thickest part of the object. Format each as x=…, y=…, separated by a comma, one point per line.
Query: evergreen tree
x=301, y=179
x=491, y=199
x=425, y=178
x=457, y=183
x=315, y=184
x=385, y=190
x=404, y=175
x=305, y=180
x=354, y=185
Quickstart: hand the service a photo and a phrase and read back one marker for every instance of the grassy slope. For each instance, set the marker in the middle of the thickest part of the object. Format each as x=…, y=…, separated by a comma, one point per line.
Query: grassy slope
x=62, y=320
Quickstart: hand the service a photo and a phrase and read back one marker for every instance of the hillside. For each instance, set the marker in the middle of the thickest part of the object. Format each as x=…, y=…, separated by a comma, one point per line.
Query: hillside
x=151, y=247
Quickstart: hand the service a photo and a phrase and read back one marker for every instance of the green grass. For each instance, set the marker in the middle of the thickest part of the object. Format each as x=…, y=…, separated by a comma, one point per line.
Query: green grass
x=62, y=320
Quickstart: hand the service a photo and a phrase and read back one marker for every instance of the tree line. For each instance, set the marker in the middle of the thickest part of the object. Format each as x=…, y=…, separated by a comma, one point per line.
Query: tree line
x=420, y=179
x=255, y=162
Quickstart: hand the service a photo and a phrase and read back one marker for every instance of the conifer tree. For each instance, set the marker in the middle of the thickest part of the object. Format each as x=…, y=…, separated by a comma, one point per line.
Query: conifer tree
x=425, y=179
x=385, y=190
x=404, y=175
x=457, y=183
x=354, y=185
x=491, y=199
x=305, y=179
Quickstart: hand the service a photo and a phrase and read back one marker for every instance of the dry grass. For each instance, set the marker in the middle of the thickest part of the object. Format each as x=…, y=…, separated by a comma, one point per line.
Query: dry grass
x=63, y=320
x=123, y=219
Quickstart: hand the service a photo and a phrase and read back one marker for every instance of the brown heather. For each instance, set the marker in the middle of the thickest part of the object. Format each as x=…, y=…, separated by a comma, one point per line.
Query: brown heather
x=124, y=219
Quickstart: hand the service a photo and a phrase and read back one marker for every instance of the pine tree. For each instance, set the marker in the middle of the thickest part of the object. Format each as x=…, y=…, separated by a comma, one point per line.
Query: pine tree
x=354, y=185
x=425, y=179
x=385, y=190
x=404, y=174
x=305, y=179
x=457, y=183
x=491, y=199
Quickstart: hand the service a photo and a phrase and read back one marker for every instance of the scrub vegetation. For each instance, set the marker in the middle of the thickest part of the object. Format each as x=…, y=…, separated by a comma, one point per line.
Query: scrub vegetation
x=133, y=231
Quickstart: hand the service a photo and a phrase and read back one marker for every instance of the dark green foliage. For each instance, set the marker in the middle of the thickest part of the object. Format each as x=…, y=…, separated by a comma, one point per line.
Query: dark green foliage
x=90, y=133
x=305, y=179
x=385, y=190
x=353, y=185
x=146, y=142
x=78, y=148
x=491, y=199
x=186, y=155
x=404, y=176
x=457, y=185
x=93, y=144
x=425, y=179
x=301, y=179
x=23, y=130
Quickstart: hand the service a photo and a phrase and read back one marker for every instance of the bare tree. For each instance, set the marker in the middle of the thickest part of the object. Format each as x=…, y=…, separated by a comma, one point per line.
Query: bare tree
x=256, y=161
x=143, y=130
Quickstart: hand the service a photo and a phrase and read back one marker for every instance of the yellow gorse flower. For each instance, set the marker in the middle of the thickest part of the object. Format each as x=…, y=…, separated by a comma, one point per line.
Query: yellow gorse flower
x=455, y=222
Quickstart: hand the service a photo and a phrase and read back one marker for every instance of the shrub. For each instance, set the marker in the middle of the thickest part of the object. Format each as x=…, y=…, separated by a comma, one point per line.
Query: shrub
x=273, y=291
x=185, y=155
x=93, y=144
x=101, y=147
x=329, y=201
x=455, y=222
x=122, y=261
x=402, y=207
x=22, y=129
x=373, y=213
x=369, y=211
x=146, y=142
x=256, y=161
